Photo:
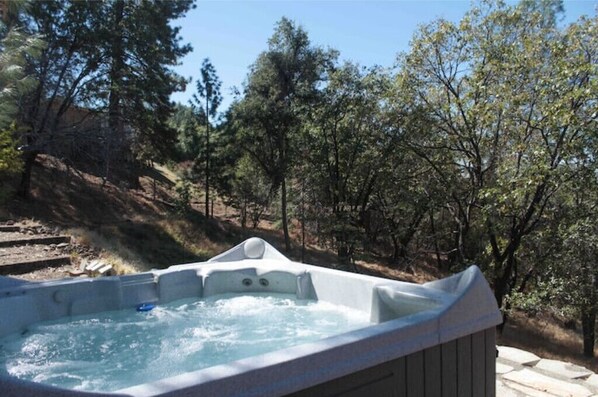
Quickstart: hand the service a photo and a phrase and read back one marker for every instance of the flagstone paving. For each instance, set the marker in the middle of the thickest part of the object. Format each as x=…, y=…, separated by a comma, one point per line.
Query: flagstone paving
x=523, y=374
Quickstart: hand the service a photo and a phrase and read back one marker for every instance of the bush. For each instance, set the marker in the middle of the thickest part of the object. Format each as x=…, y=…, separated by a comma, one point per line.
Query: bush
x=183, y=196
x=10, y=161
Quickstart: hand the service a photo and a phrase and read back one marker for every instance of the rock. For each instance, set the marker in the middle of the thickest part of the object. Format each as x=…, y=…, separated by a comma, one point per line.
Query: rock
x=567, y=370
x=10, y=222
x=503, y=368
x=503, y=391
x=76, y=272
x=523, y=391
x=517, y=355
x=543, y=383
x=593, y=380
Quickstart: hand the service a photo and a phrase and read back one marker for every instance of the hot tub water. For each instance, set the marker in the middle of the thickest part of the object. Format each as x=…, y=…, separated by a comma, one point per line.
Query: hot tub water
x=113, y=350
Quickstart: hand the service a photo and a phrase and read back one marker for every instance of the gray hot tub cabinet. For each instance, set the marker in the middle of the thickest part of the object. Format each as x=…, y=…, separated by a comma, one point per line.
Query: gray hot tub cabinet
x=435, y=339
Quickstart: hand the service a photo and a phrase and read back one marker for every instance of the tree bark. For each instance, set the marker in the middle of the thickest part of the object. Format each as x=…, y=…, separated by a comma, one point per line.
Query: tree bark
x=588, y=324
x=207, y=160
x=283, y=204
x=116, y=76
x=588, y=317
x=25, y=184
x=396, y=252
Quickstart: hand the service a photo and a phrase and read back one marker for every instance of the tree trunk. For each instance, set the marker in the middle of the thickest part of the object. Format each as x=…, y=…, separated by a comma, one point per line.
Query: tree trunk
x=436, y=246
x=396, y=252
x=343, y=253
x=302, y=220
x=116, y=76
x=243, y=214
x=588, y=324
x=25, y=184
x=503, y=273
x=283, y=203
x=207, y=161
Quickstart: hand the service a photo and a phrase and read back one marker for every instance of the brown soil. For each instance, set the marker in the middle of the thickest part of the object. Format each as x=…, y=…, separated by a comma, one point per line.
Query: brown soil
x=545, y=336
x=50, y=273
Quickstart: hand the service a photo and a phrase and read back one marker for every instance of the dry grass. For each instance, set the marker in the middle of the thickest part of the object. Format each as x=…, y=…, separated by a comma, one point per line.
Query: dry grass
x=546, y=337
x=122, y=259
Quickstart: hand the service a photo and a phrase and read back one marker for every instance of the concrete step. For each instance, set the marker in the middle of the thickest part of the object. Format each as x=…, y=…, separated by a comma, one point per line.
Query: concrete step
x=523, y=374
x=518, y=356
x=546, y=384
x=562, y=369
x=46, y=240
x=30, y=265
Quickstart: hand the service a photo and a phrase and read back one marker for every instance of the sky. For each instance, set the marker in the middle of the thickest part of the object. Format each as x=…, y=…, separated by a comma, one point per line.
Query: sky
x=233, y=33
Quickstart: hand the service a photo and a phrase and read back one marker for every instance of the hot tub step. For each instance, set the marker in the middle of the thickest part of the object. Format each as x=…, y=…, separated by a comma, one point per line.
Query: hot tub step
x=27, y=266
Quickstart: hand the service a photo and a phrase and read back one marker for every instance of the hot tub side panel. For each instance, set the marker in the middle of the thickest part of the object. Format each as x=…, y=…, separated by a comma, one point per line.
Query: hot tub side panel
x=464, y=367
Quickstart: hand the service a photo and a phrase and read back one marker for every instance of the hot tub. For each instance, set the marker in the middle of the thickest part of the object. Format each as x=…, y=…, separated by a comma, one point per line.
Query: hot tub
x=435, y=339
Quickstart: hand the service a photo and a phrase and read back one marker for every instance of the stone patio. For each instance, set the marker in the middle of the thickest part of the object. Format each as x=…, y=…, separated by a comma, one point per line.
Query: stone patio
x=520, y=374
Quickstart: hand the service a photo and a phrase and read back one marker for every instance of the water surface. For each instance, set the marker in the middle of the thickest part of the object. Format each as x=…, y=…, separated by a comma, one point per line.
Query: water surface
x=114, y=350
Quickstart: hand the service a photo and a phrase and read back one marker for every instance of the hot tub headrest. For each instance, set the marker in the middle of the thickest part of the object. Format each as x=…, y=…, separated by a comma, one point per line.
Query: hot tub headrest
x=253, y=248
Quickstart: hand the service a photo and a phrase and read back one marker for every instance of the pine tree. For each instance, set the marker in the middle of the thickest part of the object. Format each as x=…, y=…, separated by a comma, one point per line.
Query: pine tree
x=206, y=102
x=113, y=59
x=15, y=48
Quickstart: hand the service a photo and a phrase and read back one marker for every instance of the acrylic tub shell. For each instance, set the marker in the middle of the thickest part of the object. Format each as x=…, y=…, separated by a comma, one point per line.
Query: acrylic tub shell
x=408, y=318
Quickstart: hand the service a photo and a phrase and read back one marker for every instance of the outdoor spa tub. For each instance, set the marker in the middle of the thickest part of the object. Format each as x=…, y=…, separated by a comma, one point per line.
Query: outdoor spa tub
x=435, y=339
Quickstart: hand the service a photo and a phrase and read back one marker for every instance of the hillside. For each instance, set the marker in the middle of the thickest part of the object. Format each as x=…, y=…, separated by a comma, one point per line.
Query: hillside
x=139, y=229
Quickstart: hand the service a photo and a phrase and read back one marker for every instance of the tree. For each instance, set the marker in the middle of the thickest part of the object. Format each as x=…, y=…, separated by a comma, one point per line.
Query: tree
x=188, y=142
x=251, y=193
x=206, y=101
x=580, y=252
x=346, y=149
x=281, y=85
x=111, y=59
x=16, y=48
x=568, y=249
x=62, y=70
x=511, y=99
x=140, y=46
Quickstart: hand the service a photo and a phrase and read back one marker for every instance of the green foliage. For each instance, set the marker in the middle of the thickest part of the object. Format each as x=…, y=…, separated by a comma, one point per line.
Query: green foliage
x=105, y=79
x=183, y=190
x=281, y=87
x=142, y=46
x=346, y=149
x=10, y=161
x=510, y=100
x=205, y=105
x=10, y=158
x=188, y=144
x=208, y=97
x=251, y=193
x=16, y=47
